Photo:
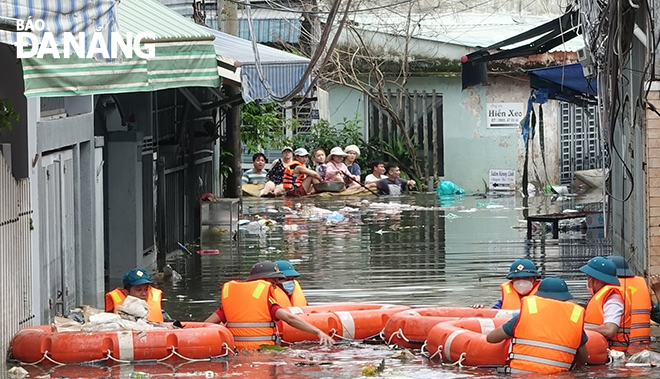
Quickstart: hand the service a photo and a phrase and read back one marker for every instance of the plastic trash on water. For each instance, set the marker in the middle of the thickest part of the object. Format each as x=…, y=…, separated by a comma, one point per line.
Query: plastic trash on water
x=139, y=374
x=447, y=187
x=134, y=307
x=17, y=372
x=646, y=357
x=335, y=218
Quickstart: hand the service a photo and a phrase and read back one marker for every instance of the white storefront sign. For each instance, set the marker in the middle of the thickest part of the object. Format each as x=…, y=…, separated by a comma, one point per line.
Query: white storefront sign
x=504, y=115
x=501, y=180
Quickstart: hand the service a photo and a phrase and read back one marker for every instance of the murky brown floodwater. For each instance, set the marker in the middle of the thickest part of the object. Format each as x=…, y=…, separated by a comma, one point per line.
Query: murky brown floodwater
x=403, y=251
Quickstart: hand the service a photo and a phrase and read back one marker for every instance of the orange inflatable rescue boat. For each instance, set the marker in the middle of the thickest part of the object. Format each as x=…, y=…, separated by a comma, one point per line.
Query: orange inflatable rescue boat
x=464, y=340
x=411, y=328
x=196, y=340
x=348, y=321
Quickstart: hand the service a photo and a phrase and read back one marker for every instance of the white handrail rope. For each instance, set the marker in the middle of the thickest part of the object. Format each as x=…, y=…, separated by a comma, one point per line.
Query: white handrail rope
x=423, y=351
x=109, y=356
x=333, y=333
x=460, y=360
x=41, y=360
x=438, y=352
x=398, y=333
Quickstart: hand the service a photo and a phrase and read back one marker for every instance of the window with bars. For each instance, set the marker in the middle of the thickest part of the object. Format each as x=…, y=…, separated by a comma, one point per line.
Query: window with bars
x=579, y=141
x=422, y=115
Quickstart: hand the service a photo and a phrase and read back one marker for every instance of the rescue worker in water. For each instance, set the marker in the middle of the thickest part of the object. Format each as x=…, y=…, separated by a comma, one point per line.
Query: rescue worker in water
x=137, y=284
x=289, y=293
x=249, y=310
x=608, y=310
x=523, y=281
x=540, y=346
x=640, y=300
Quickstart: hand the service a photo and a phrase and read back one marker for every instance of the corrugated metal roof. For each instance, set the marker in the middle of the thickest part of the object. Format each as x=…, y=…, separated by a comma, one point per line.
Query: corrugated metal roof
x=164, y=22
x=271, y=25
x=282, y=70
x=475, y=30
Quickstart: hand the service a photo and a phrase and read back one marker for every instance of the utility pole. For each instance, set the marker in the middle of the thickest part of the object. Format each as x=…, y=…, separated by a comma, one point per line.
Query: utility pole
x=227, y=11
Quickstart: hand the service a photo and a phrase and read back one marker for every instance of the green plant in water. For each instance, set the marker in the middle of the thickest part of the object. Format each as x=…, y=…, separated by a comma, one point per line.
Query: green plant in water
x=262, y=124
x=326, y=136
x=395, y=151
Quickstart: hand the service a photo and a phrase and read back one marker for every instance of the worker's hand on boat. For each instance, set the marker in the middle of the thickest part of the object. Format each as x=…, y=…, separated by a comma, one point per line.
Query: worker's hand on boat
x=476, y=306
x=325, y=339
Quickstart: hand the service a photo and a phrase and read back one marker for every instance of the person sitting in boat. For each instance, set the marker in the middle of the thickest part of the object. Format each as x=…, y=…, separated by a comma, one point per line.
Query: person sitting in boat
x=540, y=346
x=523, y=281
x=299, y=180
x=137, y=284
x=275, y=175
x=249, y=309
x=352, y=154
x=318, y=155
x=640, y=298
x=393, y=184
x=257, y=174
x=289, y=293
x=608, y=310
x=336, y=171
x=377, y=172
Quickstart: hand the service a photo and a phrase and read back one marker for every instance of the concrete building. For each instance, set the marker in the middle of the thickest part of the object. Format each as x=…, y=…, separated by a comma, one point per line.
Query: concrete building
x=466, y=141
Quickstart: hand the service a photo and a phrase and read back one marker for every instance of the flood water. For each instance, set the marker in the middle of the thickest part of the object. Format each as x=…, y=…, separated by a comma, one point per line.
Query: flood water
x=416, y=250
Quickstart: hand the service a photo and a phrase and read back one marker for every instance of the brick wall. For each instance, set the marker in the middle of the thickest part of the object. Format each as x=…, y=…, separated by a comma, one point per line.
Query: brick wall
x=653, y=182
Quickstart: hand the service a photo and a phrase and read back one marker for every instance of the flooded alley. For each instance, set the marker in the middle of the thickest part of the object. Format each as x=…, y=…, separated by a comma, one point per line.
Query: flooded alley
x=418, y=251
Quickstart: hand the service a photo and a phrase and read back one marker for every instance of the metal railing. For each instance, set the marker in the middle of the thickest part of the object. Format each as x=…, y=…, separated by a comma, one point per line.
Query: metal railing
x=15, y=254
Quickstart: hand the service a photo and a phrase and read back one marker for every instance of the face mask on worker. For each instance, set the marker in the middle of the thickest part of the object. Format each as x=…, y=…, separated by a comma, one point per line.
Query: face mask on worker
x=523, y=287
x=289, y=286
x=590, y=286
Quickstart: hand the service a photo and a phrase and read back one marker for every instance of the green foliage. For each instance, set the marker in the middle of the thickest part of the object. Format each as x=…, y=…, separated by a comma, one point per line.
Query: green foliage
x=7, y=115
x=262, y=124
x=394, y=151
x=326, y=136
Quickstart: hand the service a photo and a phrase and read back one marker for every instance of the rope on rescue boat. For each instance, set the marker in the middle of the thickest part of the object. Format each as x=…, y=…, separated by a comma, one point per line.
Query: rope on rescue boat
x=46, y=357
x=460, y=360
x=438, y=352
x=176, y=353
x=398, y=333
x=333, y=333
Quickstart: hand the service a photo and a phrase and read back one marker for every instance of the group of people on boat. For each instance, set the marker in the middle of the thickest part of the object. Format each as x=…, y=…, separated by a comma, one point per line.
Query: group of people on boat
x=291, y=176
x=620, y=309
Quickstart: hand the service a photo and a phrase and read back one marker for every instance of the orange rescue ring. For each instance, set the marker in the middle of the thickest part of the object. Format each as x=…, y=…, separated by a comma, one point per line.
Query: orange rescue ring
x=464, y=342
x=349, y=321
x=411, y=328
x=196, y=340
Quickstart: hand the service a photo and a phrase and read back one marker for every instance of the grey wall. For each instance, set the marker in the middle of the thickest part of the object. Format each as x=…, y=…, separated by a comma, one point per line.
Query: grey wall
x=11, y=89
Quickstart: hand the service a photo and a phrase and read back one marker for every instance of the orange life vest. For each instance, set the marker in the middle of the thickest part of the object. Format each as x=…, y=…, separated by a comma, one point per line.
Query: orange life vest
x=595, y=315
x=289, y=180
x=247, y=308
x=640, y=314
x=297, y=298
x=511, y=299
x=117, y=296
x=546, y=347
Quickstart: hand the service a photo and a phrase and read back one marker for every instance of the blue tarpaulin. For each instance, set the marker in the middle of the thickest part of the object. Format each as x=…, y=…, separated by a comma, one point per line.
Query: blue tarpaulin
x=566, y=83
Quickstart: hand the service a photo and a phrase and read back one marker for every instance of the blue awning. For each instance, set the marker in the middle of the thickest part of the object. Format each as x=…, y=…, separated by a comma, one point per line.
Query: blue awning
x=281, y=70
x=565, y=83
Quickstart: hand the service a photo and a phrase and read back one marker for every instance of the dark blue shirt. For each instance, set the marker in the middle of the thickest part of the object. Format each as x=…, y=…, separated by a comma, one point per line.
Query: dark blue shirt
x=354, y=169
